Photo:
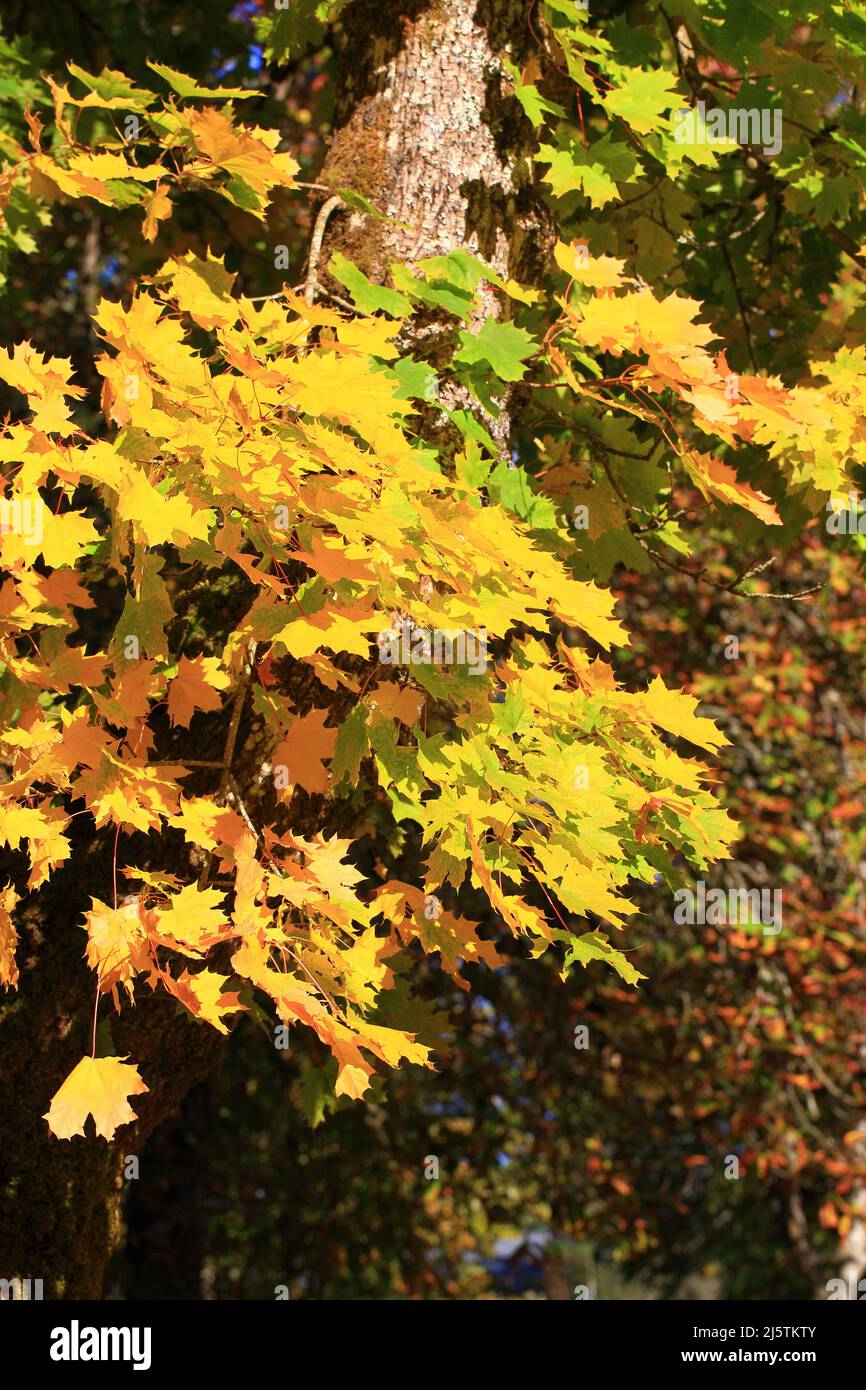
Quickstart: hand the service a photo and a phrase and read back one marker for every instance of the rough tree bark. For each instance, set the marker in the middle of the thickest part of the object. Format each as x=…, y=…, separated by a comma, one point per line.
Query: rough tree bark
x=427, y=130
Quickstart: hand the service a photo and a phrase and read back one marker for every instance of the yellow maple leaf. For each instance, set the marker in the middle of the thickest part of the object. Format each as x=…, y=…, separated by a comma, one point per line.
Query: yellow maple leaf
x=586, y=606
x=247, y=153
x=520, y=917
x=353, y=1070
x=128, y=793
x=674, y=710
x=204, y=994
x=599, y=272
x=150, y=341
x=98, y=1086
x=8, y=938
x=205, y=823
x=326, y=860
x=158, y=518
x=66, y=537
x=203, y=289
x=340, y=630
x=41, y=826
x=392, y=1044
x=110, y=165
x=116, y=947
x=346, y=388
x=157, y=207
x=363, y=972
x=717, y=479
x=371, y=336
x=194, y=918
x=44, y=381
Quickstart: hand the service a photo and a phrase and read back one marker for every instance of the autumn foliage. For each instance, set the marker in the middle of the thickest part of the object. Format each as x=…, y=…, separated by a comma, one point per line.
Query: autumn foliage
x=298, y=461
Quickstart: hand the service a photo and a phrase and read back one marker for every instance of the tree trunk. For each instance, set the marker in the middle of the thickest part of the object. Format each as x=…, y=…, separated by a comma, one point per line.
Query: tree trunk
x=167, y=1210
x=428, y=129
x=429, y=132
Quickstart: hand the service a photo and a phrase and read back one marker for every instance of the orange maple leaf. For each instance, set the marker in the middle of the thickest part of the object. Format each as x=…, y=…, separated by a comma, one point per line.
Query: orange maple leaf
x=195, y=686
x=303, y=752
x=395, y=702
x=717, y=479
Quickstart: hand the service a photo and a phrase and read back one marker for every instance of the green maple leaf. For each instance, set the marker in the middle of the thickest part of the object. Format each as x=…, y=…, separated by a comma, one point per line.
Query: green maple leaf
x=369, y=297
x=594, y=946
x=417, y=380
x=146, y=617
x=595, y=171
x=642, y=97
x=535, y=106
x=454, y=299
x=399, y=1008
x=738, y=28
x=111, y=86
x=826, y=199
x=294, y=29
x=187, y=87
x=501, y=346
x=316, y=1091
x=352, y=746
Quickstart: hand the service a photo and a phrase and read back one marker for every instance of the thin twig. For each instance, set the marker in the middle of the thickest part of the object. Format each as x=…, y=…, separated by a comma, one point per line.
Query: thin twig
x=744, y=316
x=235, y=796
x=329, y=206
x=237, y=710
x=231, y=740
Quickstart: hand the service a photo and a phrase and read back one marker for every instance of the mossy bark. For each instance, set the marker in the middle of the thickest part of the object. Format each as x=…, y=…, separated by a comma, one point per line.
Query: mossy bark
x=428, y=129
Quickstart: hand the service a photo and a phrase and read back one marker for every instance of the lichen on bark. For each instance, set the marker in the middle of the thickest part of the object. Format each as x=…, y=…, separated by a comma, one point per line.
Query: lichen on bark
x=428, y=129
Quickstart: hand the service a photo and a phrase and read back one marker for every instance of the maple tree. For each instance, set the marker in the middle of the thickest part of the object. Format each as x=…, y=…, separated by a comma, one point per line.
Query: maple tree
x=465, y=415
